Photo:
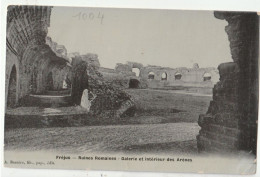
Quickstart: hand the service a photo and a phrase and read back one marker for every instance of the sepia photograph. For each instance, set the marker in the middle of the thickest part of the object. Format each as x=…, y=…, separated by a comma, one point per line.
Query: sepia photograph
x=113, y=88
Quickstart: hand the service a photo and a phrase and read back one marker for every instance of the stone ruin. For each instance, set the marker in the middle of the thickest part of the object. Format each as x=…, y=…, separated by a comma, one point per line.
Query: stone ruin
x=122, y=76
x=39, y=72
x=230, y=125
x=160, y=77
x=109, y=100
x=29, y=60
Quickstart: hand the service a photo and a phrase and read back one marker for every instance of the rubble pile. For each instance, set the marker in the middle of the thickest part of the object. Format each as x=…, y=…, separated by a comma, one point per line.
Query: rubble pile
x=107, y=99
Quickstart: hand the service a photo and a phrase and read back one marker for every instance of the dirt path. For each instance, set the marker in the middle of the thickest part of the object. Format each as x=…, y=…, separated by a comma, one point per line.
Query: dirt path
x=148, y=138
x=180, y=92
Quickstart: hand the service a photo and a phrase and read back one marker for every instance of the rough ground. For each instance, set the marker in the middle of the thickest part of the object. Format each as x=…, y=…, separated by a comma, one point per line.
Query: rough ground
x=165, y=122
x=166, y=138
x=170, y=106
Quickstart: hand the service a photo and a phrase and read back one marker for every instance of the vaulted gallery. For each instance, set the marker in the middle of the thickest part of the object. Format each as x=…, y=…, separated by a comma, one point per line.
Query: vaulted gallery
x=29, y=59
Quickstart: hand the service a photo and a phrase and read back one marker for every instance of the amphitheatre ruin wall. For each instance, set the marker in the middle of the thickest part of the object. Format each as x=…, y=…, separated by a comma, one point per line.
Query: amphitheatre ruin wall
x=35, y=65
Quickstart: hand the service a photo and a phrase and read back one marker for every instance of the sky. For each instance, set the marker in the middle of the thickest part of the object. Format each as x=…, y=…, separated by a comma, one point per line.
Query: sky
x=168, y=38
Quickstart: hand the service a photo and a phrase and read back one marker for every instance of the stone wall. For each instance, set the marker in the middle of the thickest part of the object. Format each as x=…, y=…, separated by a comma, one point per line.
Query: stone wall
x=230, y=125
x=59, y=50
x=122, y=75
x=114, y=76
x=189, y=76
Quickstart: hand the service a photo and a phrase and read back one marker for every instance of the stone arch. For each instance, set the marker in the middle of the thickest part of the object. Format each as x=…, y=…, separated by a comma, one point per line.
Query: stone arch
x=207, y=76
x=134, y=83
x=164, y=76
x=151, y=75
x=136, y=71
x=177, y=76
x=12, y=88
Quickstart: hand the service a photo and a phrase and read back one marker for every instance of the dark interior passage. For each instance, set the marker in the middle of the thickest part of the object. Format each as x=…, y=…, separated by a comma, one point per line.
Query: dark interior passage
x=134, y=83
x=207, y=77
x=151, y=75
x=11, y=97
x=178, y=76
x=50, y=85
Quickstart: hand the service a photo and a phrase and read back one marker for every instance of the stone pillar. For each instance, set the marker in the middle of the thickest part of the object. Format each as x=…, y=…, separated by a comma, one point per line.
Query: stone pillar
x=230, y=123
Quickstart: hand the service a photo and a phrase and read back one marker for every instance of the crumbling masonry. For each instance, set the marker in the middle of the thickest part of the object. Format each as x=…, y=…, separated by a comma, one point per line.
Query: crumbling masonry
x=160, y=77
x=29, y=58
x=40, y=73
x=230, y=124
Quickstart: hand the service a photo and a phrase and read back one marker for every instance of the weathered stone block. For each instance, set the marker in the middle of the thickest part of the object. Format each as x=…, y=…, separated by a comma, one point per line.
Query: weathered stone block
x=85, y=102
x=205, y=120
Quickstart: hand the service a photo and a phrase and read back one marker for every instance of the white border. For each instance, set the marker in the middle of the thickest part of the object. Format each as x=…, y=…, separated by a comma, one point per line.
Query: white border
x=232, y=5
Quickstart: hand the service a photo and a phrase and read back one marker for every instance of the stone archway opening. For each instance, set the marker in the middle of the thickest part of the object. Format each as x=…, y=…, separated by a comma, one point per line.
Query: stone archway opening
x=151, y=75
x=50, y=85
x=178, y=76
x=207, y=77
x=136, y=71
x=66, y=83
x=134, y=83
x=164, y=76
x=11, y=97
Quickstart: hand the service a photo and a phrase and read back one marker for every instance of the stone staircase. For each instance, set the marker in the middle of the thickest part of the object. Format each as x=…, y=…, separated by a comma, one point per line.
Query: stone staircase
x=53, y=108
x=49, y=100
x=58, y=92
x=61, y=98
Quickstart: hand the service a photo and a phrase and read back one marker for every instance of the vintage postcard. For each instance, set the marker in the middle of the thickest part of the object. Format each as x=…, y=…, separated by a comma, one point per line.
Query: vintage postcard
x=131, y=89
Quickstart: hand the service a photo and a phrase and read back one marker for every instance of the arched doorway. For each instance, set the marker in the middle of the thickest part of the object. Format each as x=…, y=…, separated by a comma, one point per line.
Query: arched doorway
x=50, y=85
x=151, y=75
x=178, y=76
x=134, y=83
x=11, y=97
x=164, y=76
x=207, y=77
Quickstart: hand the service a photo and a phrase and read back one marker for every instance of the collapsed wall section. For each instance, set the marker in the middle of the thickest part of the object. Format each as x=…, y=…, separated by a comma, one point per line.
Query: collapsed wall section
x=105, y=99
x=230, y=124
